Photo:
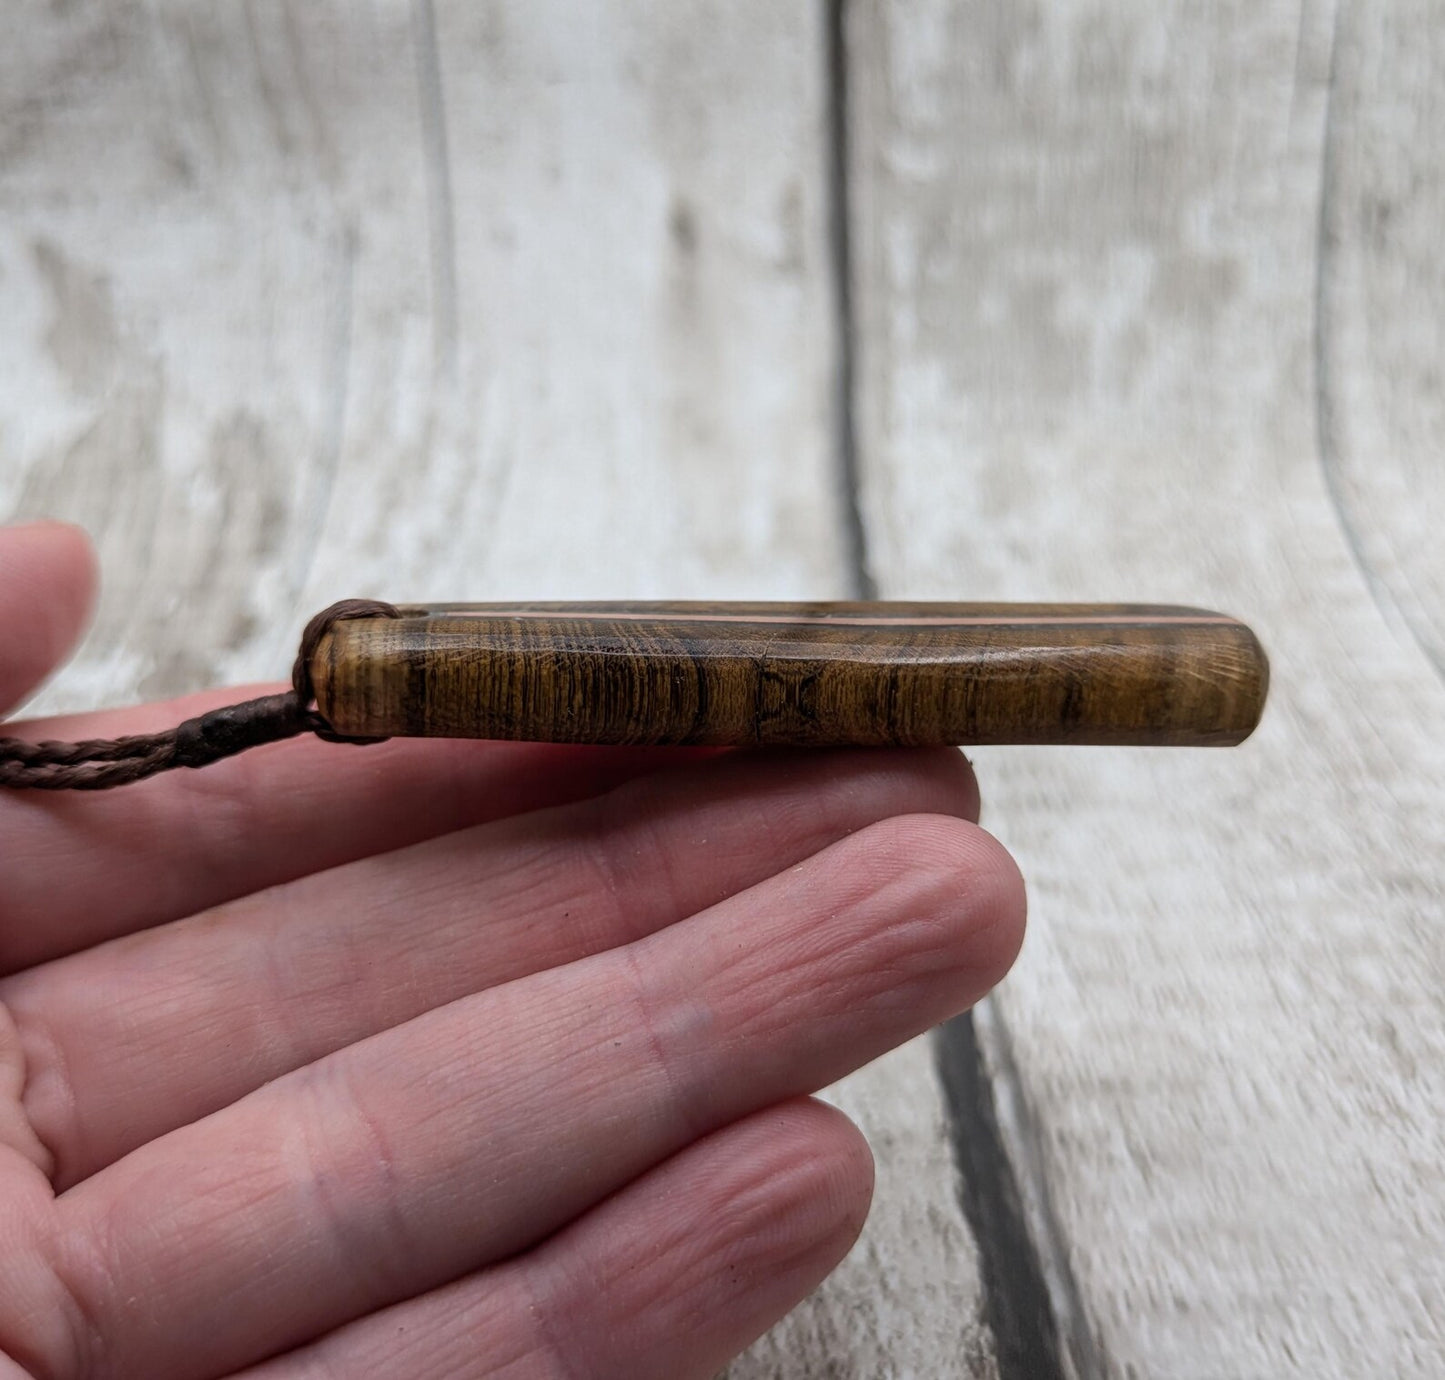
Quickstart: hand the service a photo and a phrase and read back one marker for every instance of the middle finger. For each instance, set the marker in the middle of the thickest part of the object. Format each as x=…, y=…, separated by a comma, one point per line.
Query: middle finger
x=132, y=1039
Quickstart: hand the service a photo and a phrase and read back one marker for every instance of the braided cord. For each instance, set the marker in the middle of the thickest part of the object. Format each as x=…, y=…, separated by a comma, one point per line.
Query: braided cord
x=98, y=764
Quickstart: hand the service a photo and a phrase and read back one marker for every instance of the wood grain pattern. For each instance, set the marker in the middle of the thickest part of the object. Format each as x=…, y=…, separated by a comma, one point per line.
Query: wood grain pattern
x=1088, y=275
x=809, y=675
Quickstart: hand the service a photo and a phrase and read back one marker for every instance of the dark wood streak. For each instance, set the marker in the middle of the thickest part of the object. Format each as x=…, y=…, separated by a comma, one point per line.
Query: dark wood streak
x=806, y=675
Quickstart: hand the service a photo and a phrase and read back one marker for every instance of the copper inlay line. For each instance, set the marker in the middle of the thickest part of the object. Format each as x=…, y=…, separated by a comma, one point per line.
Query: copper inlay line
x=849, y=620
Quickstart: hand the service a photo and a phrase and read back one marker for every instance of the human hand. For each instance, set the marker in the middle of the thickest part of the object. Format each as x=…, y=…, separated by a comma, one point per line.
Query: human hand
x=449, y=1059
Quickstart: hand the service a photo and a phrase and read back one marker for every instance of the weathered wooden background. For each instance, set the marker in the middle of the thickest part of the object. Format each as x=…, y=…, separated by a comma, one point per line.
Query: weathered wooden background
x=950, y=298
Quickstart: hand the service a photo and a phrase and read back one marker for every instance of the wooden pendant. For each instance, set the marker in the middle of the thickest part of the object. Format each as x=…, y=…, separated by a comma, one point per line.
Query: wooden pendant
x=876, y=674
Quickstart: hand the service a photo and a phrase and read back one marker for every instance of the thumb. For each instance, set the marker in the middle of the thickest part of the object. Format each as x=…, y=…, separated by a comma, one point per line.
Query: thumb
x=47, y=586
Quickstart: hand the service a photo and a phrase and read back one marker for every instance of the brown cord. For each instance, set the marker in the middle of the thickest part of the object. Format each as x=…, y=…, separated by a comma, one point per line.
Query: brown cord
x=100, y=763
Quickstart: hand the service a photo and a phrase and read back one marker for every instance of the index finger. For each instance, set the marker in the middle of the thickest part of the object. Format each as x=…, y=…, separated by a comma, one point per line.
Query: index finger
x=76, y=869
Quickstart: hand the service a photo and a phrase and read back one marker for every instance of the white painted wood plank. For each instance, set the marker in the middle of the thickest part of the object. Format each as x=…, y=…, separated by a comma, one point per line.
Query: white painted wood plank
x=1086, y=287
x=495, y=301
x=506, y=301
x=1382, y=286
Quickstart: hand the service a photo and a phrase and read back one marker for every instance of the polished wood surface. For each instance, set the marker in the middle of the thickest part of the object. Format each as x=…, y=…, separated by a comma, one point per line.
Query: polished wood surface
x=796, y=674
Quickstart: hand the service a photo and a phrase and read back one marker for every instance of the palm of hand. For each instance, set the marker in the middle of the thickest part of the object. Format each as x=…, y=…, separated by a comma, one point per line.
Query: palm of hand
x=449, y=1059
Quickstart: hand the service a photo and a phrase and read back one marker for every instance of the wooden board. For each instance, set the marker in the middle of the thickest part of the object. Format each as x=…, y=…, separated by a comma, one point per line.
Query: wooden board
x=1381, y=333
x=487, y=301
x=1147, y=307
